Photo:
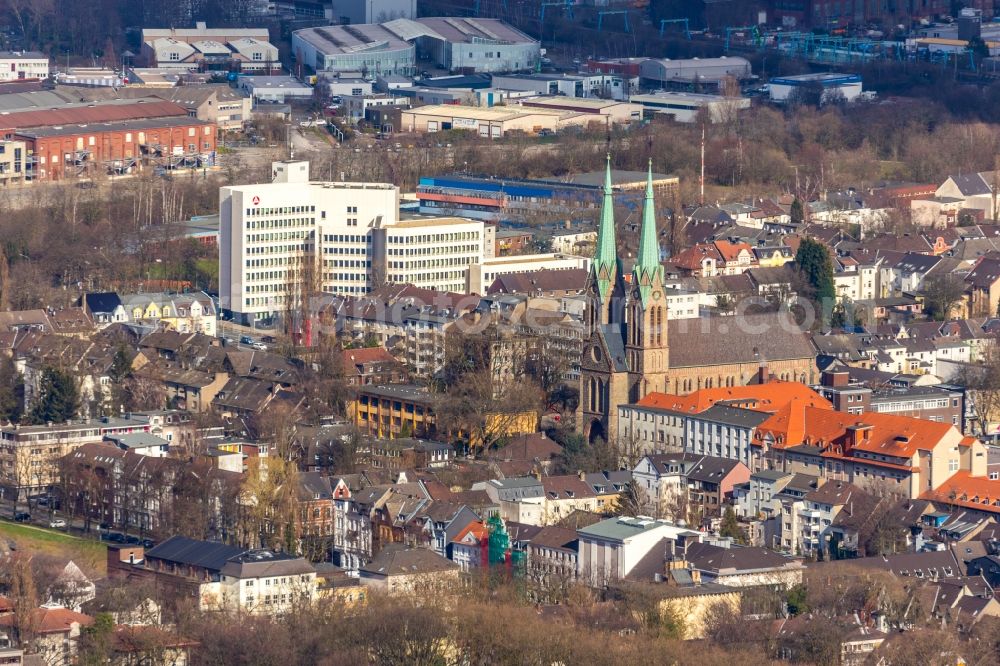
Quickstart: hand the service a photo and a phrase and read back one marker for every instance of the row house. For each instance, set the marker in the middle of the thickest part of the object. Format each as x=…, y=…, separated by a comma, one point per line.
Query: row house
x=89, y=362
x=185, y=313
x=705, y=482
x=135, y=493
x=720, y=257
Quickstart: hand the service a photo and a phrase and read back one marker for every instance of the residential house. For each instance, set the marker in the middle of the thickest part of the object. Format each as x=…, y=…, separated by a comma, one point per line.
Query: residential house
x=982, y=288
x=56, y=631
x=104, y=308
x=743, y=566
x=185, y=313
x=372, y=365
x=551, y=562
x=314, y=510
x=469, y=547
x=525, y=455
x=719, y=257
x=398, y=570
x=220, y=576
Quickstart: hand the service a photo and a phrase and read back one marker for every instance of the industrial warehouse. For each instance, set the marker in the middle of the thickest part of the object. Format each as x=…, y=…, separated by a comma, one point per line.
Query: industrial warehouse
x=455, y=44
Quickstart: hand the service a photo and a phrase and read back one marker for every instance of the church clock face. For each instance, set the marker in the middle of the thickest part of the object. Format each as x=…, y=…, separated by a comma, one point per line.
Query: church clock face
x=595, y=353
x=657, y=295
x=636, y=294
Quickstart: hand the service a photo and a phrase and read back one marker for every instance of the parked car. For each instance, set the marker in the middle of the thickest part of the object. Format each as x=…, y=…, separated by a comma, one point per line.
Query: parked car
x=148, y=543
x=258, y=345
x=57, y=523
x=22, y=516
x=246, y=340
x=133, y=540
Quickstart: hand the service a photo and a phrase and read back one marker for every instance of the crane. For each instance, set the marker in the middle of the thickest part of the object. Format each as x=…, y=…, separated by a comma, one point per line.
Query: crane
x=683, y=21
x=601, y=15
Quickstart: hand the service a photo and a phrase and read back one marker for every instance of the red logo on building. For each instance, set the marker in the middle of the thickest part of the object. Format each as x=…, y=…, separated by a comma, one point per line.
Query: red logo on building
x=256, y=201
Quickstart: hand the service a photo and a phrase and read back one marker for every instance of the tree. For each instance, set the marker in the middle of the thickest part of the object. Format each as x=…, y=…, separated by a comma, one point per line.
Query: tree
x=730, y=526
x=816, y=267
x=796, y=211
x=96, y=642
x=19, y=580
x=983, y=384
x=941, y=294
x=11, y=391
x=58, y=398
x=629, y=500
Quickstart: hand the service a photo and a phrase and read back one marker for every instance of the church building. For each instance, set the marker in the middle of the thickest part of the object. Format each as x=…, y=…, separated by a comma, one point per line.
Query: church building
x=632, y=348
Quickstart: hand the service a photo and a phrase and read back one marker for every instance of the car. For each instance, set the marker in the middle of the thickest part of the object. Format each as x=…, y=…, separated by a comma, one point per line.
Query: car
x=545, y=131
x=268, y=339
x=42, y=501
x=259, y=346
x=57, y=523
x=148, y=543
x=22, y=516
x=246, y=340
x=116, y=537
x=133, y=540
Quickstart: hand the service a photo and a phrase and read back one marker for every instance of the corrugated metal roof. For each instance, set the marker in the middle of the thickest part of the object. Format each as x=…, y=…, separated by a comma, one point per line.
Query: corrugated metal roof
x=92, y=113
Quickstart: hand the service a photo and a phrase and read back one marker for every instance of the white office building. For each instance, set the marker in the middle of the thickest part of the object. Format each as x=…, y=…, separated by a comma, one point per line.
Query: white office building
x=281, y=239
x=20, y=65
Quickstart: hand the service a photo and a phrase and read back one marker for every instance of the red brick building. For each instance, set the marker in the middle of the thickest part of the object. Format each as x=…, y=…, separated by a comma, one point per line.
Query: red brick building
x=61, y=151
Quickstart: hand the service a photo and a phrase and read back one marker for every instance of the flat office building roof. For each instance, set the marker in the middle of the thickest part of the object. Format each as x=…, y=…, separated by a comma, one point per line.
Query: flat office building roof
x=570, y=103
x=414, y=223
x=482, y=112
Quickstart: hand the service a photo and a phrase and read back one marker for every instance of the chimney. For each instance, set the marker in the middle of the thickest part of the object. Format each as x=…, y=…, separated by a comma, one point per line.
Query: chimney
x=763, y=374
x=580, y=473
x=835, y=378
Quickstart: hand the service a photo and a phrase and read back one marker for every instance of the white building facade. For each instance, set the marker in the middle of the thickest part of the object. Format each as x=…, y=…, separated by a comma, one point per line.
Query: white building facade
x=281, y=239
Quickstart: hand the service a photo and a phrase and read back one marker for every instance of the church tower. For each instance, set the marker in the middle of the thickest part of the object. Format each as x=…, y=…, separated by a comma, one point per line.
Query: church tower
x=646, y=344
x=604, y=377
x=604, y=284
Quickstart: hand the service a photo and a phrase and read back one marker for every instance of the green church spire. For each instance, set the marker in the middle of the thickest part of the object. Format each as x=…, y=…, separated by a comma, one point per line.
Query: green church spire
x=606, y=253
x=648, y=271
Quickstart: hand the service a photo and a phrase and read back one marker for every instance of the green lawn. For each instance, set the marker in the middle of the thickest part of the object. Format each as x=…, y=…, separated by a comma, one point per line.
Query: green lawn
x=90, y=555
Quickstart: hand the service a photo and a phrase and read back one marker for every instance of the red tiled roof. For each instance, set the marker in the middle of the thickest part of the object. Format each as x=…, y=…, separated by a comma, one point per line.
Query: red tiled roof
x=367, y=355
x=731, y=251
x=51, y=619
x=771, y=396
x=882, y=434
x=963, y=489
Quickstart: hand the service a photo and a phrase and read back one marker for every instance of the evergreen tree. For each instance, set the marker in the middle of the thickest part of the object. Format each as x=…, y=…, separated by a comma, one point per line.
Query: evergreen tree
x=730, y=527
x=796, y=212
x=58, y=399
x=816, y=267
x=11, y=392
